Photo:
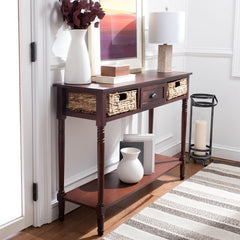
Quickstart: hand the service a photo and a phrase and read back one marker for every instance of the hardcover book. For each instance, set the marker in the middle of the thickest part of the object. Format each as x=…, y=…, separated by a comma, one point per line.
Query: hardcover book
x=114, y=80
x=139, y=145
x=149, y=151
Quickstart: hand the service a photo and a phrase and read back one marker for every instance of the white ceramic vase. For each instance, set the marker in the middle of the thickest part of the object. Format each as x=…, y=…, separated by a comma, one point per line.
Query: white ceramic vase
x=77, y=68
x=130, y=169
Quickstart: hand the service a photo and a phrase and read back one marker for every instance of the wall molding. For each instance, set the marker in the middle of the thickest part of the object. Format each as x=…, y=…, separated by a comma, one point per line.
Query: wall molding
x=203, y=52
x=209, y=52
x=149, y=57
x=170, y=149
x=200, y=52
x=69, y=207
x=163, y=138
x=76, y=181
x=236, y=42
x=86, y=176
x=57, y=63
x=224, y=152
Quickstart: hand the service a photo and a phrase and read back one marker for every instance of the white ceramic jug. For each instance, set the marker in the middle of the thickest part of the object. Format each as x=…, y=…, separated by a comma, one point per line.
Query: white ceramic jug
x=77, y=67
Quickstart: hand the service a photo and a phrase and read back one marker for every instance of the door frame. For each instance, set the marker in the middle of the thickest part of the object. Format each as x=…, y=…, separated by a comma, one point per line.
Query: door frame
x=35, y=27
x=42, y=87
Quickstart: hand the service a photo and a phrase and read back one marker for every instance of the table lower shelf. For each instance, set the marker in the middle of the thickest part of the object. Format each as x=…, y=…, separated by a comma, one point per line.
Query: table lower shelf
x=115, y=190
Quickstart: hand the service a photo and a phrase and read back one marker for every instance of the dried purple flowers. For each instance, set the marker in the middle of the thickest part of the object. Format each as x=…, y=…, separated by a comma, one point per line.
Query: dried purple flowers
x=79, y=14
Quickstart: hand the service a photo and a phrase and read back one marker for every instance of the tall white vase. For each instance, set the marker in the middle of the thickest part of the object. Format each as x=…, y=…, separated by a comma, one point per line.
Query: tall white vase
x=130, y=169
x=77, y=68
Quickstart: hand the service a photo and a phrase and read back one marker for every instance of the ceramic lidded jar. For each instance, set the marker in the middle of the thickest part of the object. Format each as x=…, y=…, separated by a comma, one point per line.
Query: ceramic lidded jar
x=130, y=169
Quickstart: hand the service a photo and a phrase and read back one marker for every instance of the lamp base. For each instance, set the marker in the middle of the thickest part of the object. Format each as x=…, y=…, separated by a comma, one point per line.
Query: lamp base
x=165, y=58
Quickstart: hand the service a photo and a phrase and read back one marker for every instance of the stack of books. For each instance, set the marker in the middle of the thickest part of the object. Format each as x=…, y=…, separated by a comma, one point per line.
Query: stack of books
x=114, y=74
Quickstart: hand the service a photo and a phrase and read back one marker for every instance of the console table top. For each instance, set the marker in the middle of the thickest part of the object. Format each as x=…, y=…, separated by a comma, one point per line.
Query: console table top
x=142, y=79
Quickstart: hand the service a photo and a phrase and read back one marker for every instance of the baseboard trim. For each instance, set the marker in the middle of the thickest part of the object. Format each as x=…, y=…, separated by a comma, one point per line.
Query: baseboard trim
x=225, y=152
x=75, y=181
x=86, y=176
x=219, y=151
x=163, y=138
x=69, y=207
x=170, y=149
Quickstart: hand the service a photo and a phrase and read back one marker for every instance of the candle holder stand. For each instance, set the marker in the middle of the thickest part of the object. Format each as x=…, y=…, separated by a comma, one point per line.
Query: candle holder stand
x=201, y=100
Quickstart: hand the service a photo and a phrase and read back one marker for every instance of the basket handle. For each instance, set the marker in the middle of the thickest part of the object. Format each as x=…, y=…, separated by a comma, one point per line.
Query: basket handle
x=122, y=96
x=204, y=96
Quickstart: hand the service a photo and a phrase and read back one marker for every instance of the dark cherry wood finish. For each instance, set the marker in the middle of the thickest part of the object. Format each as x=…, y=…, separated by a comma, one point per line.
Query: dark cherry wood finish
x=183, y=138
x=114, y=189
x=107, y=189
x=150, y=120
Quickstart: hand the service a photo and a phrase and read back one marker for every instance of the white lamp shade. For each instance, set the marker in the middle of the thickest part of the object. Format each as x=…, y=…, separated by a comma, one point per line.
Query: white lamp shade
x=166, y=27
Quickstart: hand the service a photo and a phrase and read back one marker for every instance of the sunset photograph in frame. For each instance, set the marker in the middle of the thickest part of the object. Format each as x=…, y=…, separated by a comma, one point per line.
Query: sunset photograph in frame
x=119, y=30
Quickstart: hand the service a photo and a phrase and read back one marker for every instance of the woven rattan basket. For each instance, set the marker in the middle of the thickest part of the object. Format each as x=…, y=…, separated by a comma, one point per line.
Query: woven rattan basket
x=119, y=102
x=177, y=88
x=82, y=102
x=122, y=102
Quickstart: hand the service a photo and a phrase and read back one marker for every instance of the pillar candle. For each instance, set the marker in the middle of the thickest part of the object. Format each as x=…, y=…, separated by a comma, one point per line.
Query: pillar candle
x=200, y=136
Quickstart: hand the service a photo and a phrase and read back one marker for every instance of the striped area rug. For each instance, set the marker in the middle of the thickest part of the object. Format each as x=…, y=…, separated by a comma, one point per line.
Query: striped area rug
x=204, y=207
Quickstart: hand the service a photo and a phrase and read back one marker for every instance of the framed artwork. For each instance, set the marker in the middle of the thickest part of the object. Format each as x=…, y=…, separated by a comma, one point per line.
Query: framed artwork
x=120, y=35
x=139, y=145
x=149, y=150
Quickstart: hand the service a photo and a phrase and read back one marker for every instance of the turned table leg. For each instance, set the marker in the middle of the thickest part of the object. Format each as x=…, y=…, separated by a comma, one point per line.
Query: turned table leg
x=150, y=120
x=183, y=138
x=100, y=208
x=61, y=151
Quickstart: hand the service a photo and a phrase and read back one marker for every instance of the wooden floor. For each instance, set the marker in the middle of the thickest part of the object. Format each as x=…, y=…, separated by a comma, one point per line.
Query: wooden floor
x=81, y=223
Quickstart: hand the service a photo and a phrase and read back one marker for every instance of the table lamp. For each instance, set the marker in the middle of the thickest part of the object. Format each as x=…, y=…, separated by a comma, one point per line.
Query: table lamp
x=166, y=28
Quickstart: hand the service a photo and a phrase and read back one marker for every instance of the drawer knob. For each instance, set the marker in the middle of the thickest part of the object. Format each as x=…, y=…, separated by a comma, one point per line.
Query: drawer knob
x=153, y=95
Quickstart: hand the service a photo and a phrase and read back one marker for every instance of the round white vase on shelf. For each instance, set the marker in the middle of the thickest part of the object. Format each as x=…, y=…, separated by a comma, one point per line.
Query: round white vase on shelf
x=77, y=67
x=130, y=169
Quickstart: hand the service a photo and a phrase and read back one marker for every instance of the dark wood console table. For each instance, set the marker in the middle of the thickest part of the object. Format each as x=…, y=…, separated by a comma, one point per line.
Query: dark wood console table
x=152, y=91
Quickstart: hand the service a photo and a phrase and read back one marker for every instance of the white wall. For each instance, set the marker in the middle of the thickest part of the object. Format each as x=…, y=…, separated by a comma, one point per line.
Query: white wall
x=207, y=52
x=167, y=119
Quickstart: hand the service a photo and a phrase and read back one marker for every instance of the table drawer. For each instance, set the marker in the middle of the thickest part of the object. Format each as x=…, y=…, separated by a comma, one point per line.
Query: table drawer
x=152, y=96
x=177, y=88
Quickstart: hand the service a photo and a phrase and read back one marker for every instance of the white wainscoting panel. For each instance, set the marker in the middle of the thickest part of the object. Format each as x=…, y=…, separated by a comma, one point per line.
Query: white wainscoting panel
x=210, y=24
x=209, y=52
x=236, y=42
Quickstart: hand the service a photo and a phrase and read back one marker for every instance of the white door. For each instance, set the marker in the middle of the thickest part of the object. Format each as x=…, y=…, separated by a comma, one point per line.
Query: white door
x=16, y=168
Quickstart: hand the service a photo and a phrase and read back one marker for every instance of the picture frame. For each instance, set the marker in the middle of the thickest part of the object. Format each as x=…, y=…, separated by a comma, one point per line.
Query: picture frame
x=149, y=150
x=95, y=43
x=138, y=145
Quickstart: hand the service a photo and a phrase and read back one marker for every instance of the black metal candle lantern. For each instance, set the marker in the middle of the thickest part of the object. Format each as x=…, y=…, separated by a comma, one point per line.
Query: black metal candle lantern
x=201, y=100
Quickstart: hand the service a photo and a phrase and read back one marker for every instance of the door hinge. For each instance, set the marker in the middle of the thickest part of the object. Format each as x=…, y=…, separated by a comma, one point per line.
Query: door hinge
x=33, y=52
x=35, y=192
